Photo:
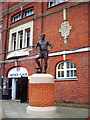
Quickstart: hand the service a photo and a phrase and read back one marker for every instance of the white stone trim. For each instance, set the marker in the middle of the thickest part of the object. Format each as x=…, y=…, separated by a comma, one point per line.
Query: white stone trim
x=13, y=89
x=64, y=14
x=86, y=49
x=70, y=52
x=21, y=28
x=41, y=111
x=17, y=54
x=41, y=78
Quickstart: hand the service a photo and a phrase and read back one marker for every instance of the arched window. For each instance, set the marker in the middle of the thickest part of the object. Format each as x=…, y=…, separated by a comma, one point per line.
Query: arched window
x=66, y=70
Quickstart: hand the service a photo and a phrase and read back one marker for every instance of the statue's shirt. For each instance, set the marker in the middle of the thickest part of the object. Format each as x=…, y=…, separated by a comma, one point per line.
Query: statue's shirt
x=43, y=44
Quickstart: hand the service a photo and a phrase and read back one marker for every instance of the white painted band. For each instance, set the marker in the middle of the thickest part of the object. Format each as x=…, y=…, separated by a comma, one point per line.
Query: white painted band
x=41, y=78
x=41, y=110
x=87, y=49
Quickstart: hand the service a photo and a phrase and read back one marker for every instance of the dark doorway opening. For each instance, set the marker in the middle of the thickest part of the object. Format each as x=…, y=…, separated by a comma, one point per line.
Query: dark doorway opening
x=21, y=89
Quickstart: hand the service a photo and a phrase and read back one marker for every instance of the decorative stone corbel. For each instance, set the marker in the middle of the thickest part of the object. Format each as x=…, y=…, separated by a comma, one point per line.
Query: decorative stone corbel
x=65, y=27
x=65, y=30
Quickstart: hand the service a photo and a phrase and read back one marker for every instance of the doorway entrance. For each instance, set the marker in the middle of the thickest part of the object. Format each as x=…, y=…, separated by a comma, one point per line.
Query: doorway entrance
x=18, y=83
x=15, y=94
x=19, y=89
x=14, y=88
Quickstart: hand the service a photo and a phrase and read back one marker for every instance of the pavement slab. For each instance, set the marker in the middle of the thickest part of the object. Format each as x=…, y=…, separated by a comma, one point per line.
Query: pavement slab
x=14, y=109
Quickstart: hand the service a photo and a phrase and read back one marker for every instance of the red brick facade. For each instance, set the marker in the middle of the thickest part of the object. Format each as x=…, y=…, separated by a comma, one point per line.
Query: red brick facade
x=48, y=21
x=41, y=95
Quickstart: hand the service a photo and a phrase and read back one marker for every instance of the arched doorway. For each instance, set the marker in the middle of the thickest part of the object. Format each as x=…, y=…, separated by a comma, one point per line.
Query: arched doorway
x=18, y=83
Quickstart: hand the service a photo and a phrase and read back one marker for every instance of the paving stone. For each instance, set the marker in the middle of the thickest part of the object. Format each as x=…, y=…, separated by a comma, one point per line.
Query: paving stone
x=13, y=109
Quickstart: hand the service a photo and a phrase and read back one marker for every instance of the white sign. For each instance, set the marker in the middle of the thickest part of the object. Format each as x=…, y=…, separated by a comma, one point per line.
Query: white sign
x=17, y=72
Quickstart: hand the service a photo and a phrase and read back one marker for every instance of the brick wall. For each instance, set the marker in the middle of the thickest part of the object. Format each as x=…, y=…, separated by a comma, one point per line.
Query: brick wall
x=65, y=91
x=41, y=95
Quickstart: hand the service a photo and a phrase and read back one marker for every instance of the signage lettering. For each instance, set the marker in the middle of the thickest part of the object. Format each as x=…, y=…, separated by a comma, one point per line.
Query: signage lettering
x=18, y=74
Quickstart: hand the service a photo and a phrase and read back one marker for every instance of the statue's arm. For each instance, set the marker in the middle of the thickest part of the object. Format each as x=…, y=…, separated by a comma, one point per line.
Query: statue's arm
x=49, y=44
x=36, y=46
x=50, y=48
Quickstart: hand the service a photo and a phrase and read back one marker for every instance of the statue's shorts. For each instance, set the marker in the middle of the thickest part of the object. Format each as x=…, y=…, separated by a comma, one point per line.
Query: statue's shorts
x=43, y=54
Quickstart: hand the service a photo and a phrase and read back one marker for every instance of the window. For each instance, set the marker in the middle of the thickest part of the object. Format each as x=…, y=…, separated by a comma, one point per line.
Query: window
x=23, y=14
x=14, y=41
x=20, y=39
x=16, y=17
x=28, y=12
x=0, y=24
x=66, y=70
x=55, y=2
x=21, y=36
x=28, y=38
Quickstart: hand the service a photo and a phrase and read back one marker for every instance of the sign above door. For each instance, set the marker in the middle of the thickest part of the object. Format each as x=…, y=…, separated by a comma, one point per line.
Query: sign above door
x=18, y=72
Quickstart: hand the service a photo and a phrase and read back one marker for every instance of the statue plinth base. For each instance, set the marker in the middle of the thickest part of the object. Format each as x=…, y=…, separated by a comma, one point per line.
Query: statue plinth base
x=41, y=94
x=41, y=110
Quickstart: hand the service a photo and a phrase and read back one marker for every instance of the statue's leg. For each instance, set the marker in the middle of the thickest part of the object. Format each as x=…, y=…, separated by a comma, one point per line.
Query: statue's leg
x=38, y=62
x=45, y=65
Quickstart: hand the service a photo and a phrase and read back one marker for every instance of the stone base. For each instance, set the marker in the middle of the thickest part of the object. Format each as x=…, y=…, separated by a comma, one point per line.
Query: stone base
x=41, y=110
x=41, y=78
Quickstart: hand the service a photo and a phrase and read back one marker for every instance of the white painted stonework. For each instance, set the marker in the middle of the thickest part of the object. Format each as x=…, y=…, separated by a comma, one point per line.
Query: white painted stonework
x=70, y=51
x=41, y=78
x=64, y=14
x=65, y=30
x=17, y=54
x=23, y=28
x=41, y=110
x=13, y=89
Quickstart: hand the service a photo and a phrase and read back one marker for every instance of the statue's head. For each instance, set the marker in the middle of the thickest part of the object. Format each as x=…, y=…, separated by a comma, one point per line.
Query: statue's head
x=42, y=35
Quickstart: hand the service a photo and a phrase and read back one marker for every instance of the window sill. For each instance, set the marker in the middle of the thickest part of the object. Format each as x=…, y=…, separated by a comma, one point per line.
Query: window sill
x=23, y=49
x=65, y=79
x=15, y=21
x=19, y=52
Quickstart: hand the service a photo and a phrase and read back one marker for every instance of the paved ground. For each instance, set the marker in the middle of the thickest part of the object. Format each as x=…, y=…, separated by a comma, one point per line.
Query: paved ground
x=13, y=109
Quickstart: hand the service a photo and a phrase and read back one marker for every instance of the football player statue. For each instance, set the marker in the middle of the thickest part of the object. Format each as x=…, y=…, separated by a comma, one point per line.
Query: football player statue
x=42, y=52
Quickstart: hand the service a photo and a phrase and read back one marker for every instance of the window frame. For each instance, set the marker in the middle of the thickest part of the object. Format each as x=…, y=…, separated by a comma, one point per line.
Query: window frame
x=55, y=3
x=17, y=30
x=20, y=40
x=28, y=37
x=13, y=17
x=14, y=39
x=65, y=70
x=24, y=16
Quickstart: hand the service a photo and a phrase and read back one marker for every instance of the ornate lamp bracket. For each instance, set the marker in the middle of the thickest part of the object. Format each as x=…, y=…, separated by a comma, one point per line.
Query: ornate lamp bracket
x=65, y=30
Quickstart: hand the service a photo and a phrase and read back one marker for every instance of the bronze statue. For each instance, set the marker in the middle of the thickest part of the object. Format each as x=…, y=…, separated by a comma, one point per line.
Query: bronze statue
x=42, y=52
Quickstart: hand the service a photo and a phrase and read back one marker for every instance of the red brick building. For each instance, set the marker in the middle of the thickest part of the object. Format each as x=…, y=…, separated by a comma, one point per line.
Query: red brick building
x=66, y=26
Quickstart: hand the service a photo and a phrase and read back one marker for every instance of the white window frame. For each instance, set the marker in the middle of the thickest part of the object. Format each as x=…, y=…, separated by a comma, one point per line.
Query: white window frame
x=55, y=2
x=65, y=69
x=27, y=37
x=17, y=30
x=14, y=38
x=19, y=35
x=29, y=12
